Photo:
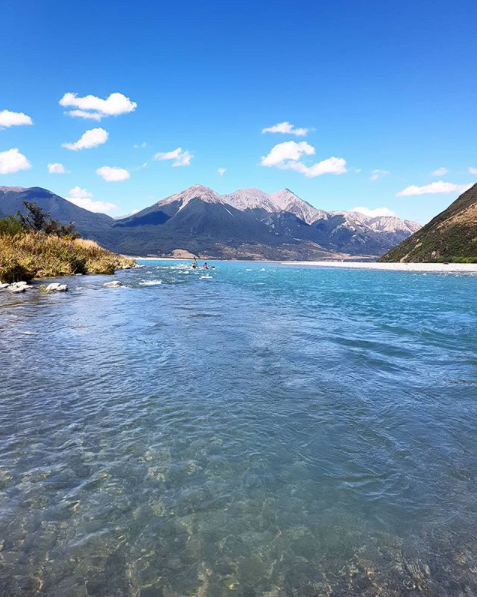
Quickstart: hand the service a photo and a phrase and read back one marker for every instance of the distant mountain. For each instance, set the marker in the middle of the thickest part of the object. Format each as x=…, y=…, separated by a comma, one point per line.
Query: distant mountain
x=354, y=233
x=248, y=223
x=86, y=222
x=251, y=215
x=450, y=236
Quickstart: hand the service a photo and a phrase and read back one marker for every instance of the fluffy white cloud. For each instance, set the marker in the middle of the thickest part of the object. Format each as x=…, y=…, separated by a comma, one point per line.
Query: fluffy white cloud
x=13, y=161
x=222, y=171
x=181, y=158
x=433, y=189
x=378, y=174
x=56, y=168
x=8, y=118
x=374, y=213
x=113, y=174
x=472, y=170
x=287, y=155
x=91, y=138
x=83, y=198
x=96, y=108
x=329, y=166
x=440, y=172
x=289, y=150
x=286, y=128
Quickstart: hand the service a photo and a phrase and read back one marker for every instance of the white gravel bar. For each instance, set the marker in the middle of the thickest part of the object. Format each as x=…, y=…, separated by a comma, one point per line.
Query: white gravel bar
x=398, y=267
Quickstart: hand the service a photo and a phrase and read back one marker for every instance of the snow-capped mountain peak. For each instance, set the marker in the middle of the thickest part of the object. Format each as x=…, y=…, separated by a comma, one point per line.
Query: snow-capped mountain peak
x=392, y=224
x=196, y=191
x=250, y=199
x=287, y=201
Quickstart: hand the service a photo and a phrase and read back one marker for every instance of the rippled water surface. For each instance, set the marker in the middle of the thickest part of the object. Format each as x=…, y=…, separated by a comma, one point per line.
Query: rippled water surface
x=272, y=431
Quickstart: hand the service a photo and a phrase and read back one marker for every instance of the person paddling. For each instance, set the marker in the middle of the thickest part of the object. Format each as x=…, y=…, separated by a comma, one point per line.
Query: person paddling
x=194, y=263
x=206, y=266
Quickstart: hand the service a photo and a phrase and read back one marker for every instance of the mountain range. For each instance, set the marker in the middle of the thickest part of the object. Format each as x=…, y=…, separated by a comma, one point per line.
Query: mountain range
x=246, y=224
x=450, y=236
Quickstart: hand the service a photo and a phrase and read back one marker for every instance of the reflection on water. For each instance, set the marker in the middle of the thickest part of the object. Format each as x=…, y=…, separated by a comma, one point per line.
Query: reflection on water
x=268, y=431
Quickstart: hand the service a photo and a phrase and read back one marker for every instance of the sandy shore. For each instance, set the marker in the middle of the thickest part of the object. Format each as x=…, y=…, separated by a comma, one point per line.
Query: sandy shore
x=400, y=267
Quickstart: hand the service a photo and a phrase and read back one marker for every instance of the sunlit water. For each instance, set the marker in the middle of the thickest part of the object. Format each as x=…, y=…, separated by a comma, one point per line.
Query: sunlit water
x=272, y=431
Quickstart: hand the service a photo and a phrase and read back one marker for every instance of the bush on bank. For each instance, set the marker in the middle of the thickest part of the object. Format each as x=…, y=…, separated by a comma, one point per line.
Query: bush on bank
x=44, y=249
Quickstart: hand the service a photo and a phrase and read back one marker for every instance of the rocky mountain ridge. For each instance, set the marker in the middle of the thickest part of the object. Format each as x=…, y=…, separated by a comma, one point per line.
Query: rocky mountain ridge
x=247, y=223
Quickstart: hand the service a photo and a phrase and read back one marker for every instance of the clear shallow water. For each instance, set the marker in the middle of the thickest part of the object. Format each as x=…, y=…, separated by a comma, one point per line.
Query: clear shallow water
x=273, y=431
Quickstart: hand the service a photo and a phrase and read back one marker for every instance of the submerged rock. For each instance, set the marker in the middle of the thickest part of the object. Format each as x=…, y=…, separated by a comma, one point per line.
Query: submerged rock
x=113, y=284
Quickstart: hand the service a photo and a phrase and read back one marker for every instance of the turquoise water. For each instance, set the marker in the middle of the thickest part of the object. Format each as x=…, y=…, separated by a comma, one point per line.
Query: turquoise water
x=272, y=431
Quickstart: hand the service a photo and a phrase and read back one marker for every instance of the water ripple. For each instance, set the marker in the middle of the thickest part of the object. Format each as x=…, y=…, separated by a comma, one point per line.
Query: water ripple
x=278, y=432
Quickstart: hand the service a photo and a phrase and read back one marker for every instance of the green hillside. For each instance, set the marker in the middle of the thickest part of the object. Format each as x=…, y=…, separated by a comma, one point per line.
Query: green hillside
x=450, y=236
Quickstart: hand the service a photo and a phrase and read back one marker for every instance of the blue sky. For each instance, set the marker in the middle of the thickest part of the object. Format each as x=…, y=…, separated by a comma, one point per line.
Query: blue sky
x=387, y=88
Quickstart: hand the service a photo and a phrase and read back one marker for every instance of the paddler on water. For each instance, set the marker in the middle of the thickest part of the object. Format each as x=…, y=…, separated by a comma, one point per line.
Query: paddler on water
x=194, y=263
x=206, y=266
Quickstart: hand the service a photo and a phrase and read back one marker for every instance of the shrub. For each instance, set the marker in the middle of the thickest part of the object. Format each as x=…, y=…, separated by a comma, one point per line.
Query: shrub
x=10, y=226
x=36, y=254
x=11, y=270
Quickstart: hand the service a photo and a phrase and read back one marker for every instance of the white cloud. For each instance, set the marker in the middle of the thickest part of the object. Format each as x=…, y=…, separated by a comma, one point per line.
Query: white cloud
x=13, y=161
x=472, y=170
x=378, y=174
x=222, y=171
x=56, y=168
x=87, y=115
x=8, y=118
x=140, y=146
x=287, y=155
x=181, y=158
x=289, y=150
x=113, y=174
x=433, y=188
x=374, y=213
x=96, y=108
x=83, y=198
x=329, y=166
x=91, y=138
x=440, y=172
x=286, y=128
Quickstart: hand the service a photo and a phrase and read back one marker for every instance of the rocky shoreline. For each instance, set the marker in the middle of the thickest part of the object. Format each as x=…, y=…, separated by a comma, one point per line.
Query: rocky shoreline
x=400, y=267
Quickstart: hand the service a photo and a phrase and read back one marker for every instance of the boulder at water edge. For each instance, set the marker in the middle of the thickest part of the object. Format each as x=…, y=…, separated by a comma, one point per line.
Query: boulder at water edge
x=56, y=287
x=18, y=287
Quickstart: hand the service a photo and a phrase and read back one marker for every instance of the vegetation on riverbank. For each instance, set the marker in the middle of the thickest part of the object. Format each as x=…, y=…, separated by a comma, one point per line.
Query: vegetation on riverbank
x=451, y=237
x=37, y=247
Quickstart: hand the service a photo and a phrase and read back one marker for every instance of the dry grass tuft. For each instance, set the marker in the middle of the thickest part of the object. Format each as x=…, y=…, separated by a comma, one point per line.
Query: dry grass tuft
x=28, y=255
